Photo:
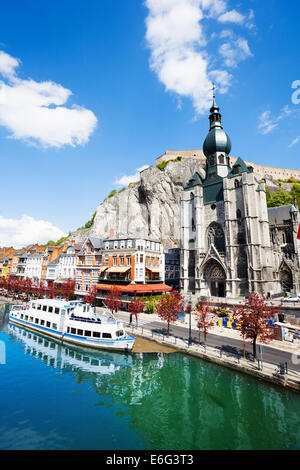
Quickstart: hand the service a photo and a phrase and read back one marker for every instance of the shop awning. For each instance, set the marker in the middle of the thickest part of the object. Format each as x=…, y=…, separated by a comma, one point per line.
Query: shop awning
x=118, y=269
x=136, y=288
x=101, y=270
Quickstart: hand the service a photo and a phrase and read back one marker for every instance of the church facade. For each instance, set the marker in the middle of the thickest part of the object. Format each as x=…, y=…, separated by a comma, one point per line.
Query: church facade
x=231, y=243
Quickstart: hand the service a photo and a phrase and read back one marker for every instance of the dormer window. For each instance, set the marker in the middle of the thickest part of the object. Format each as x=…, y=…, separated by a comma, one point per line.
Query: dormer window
x=236, y=169
x=221, y=159
x=212, y=161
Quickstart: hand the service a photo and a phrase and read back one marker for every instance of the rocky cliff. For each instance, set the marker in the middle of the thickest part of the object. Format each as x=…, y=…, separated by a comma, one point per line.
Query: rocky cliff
x=149, y=208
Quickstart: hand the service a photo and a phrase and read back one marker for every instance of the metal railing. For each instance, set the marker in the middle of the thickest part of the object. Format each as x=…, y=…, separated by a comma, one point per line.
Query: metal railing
x=280, y=370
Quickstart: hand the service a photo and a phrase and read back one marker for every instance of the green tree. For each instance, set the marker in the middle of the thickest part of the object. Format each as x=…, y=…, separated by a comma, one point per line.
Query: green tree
x=296, y=192
x=280, y=198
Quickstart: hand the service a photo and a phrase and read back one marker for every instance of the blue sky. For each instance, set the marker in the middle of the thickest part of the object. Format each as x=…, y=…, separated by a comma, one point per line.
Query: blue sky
x=92, y=90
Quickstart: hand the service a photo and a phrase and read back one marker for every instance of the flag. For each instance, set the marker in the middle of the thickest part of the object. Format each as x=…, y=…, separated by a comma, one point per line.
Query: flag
x=298, y=236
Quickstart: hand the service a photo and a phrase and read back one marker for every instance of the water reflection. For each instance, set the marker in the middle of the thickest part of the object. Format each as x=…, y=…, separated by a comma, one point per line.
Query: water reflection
x=174, y=401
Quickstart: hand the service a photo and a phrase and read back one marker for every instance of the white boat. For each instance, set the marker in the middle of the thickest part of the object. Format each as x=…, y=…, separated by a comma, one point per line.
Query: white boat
x=72, y=322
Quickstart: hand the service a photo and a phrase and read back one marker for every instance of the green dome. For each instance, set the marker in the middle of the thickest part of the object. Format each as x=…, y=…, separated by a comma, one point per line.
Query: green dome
x=216, y=141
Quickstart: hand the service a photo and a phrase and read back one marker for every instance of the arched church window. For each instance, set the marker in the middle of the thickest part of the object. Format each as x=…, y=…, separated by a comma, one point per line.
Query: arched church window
x=283, y=238
x=193, y=212
x=221, y=159
x=215, y=236
x=236, y=184
x=238, y=214
x=242, y=268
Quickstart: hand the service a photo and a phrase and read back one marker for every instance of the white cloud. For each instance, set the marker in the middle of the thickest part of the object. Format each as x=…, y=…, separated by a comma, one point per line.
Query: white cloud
x=235, y=52
x=267, y=123
x=177, y=42
x=294, y=142
x=232, y=16
x=8, y=64
x=34, y=112
x=26, y=230
x=127, y=179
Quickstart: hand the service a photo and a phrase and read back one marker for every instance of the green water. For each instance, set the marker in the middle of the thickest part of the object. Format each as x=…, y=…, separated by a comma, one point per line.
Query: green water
x=60, y=397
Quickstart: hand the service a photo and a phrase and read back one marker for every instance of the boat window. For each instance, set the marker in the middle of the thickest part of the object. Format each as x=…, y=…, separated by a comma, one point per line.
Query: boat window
x=31, y=319
x=106, y=335
x=39, y=307
x=94, y=362
x=33, y=305
x=120, y=333
x=42, y=322
x=22, y=316
x=87, y=333
x=54, y=326
x=44, y=308
x=68, y=329
x=36, y=320
x=50, y=309
x=56, y=310
x=96, y=334
x=48, y=324
x=80, y=332
x=73, y=331
x=26, y=317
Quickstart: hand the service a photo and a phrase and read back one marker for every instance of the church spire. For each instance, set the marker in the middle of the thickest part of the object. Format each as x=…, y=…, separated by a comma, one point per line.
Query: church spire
x=215, y=117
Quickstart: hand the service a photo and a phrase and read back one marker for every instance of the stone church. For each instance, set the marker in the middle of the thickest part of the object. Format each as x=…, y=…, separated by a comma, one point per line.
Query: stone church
x=231, y=243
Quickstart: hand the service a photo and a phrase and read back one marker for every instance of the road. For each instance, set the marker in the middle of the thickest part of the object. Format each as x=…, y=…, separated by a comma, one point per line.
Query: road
x=230, y=345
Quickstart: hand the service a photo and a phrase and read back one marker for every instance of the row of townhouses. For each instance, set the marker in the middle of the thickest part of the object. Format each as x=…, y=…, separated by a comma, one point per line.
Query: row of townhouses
x=136, y=266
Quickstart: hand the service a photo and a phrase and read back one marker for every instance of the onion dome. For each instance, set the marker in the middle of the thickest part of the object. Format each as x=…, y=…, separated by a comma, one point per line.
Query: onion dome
x=217, y=140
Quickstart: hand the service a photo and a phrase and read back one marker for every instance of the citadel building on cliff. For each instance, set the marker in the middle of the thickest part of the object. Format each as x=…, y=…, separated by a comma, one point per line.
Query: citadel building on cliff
x=231, y=243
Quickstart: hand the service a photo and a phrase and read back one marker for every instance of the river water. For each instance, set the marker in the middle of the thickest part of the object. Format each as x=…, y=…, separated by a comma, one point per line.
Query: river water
x=54, y=396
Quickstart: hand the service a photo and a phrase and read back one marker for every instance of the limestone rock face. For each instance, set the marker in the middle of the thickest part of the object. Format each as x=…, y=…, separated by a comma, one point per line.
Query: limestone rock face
x=147, y=209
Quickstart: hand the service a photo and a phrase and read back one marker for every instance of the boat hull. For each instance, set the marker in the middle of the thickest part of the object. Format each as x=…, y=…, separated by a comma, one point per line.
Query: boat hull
x=122, y=344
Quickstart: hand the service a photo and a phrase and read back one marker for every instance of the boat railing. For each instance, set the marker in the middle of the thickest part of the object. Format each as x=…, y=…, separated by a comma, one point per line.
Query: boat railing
x=86, y=320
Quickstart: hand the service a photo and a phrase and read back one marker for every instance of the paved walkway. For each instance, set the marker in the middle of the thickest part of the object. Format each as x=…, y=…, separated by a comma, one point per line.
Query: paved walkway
x=224, y=339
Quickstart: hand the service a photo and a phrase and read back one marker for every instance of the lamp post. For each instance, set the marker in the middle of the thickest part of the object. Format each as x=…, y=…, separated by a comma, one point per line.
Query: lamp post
x=189, y=310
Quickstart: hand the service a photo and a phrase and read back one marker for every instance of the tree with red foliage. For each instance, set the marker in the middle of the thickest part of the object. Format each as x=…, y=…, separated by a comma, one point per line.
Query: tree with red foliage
x=89, y=298
x=204, y=317
x=254, y=316
x=169, y=308
x=136, y=307
x=67, y=289
x=113, y=300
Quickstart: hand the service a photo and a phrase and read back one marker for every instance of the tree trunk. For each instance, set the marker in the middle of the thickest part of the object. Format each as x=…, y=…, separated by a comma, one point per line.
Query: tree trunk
x=136, y=321
x=168, y=329
x=254, y=347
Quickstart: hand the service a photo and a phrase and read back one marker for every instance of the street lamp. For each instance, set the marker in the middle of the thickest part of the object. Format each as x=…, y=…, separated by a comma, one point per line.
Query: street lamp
x=189, y=310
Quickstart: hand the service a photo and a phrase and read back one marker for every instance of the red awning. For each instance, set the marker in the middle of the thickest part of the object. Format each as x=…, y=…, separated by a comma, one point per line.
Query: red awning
x=138, y=288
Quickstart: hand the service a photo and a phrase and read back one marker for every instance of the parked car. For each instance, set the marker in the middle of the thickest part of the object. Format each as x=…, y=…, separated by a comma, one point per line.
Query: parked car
x=291, y=299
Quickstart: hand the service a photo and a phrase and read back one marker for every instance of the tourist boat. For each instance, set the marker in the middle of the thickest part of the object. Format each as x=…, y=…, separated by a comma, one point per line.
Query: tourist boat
x=72, y=322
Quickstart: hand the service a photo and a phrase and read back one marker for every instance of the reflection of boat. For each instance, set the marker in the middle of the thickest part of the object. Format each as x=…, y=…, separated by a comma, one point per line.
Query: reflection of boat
x=72, y=323
x=58, y=355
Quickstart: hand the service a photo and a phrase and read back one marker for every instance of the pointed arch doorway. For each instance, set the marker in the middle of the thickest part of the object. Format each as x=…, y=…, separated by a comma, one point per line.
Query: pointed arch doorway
x=215, y=278
x=286, y=278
